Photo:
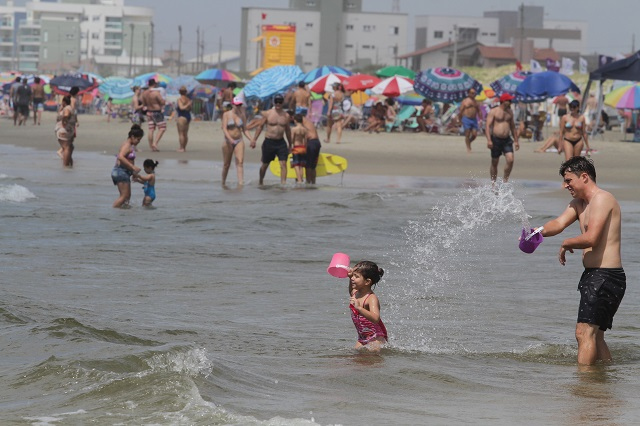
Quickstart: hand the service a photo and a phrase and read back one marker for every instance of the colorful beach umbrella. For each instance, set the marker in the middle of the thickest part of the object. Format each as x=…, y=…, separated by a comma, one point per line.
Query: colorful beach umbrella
x=393, y=86
x=142, y=80
x=273, y=80
x=509, y=83
x=203, y=91
x=360, y=82
x=9, y=76
x=445, y=84
x=396, y=70
x=188, y=81
x=486, y=93
x=118, y=89
x=62, y=84
x=316, y=73
x=410, y=99
x=625, y=97
x=325, y=83
x=213, y=75
x=542, y=85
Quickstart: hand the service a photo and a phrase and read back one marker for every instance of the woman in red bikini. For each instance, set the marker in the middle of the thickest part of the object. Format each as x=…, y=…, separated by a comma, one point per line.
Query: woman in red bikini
x=365, y=306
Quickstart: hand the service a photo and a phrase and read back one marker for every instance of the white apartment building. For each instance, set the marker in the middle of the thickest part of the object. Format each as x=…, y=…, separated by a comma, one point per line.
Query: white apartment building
x=54, y=35
x=328, y=33
x=433, y=30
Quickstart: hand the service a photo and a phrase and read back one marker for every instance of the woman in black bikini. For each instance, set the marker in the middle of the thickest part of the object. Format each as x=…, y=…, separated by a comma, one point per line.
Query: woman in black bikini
x=573, y=131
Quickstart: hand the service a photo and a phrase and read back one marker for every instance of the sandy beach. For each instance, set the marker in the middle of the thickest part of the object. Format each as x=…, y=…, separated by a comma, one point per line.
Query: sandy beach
x=383, y=154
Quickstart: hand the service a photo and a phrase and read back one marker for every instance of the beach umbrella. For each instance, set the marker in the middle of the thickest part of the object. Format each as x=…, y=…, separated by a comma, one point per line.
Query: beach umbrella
x=61, y=84
x=142, y=80
x=359, y=97
x=187, y=81
x=542, y=85
x=509, y=83
x=316, y=73
x=410, y=99
x=273, y=80
x=445, y=84
x=625, y=97
x=204, y=91
x=213, y=75
x=325, y=83
x=9, y=76
x=396, y=70
x=360, y=82
x=44, y=79
x=96, y=77
x=393, y=86
x=487, y=93
x=118, y=89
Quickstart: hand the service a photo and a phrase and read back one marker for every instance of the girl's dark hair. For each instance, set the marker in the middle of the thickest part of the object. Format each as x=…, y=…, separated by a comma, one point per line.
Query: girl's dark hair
x=150, y=164
x=74, y=90
x=369, y=270
x=67, y=100
x=136, y=131
x=579, y=165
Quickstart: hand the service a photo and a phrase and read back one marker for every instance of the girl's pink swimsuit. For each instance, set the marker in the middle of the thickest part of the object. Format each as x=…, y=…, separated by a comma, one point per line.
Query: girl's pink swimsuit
x=367, y=330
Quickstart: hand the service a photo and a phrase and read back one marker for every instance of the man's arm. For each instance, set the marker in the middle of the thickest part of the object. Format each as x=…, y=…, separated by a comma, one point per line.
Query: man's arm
x=512, y=124
x=600, y=210
x=287, y=132
x=559, y=224
x=463, y=106
x=488, y=126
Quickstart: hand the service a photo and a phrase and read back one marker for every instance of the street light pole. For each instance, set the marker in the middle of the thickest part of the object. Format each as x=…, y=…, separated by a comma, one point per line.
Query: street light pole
x=179, y=48
x=131, y=50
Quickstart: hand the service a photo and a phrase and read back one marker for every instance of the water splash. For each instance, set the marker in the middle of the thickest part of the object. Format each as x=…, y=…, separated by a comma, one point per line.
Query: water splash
x=15, y=193
x=432, y=311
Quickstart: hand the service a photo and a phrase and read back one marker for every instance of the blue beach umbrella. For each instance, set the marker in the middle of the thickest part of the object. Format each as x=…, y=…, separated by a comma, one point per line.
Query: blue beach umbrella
x=322, y=71
x=273, y=80
x=539, y=86
x=445, y=84
x=118, y=89
x=187, y=81
x=509, y=83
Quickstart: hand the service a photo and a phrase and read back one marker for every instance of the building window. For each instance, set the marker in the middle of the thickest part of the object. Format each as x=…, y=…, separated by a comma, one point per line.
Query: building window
x=95, y=36
x=308, y=64
x=348, y=46
x=349, y=27
x=309, y=44
x=437, y=34
x=96, y=18
x=394, y=30
x=70, y=36
x=492, y=34
x=351, y=5
x=70, y=52
x=45, y=52
x=366, y=46
x=485, y=34
x=311, y=3
x=70, y=18
x=45, y=36
x=309, y=24
x=366, y=28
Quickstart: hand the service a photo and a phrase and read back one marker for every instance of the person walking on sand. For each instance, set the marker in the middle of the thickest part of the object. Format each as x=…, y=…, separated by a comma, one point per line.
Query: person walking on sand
x=313, y=150
x=183, y=110
x=12, y=97
x=23, y=99
x=573, y=131
x=500, y=125
x=365, y=306
x=468, y=115
x=277, y=122
x=37, y=98
x=603, y=282
x=154, y=102
x=334, y=109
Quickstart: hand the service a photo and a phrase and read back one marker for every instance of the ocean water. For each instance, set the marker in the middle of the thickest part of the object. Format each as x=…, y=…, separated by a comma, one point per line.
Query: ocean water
x=215, y=307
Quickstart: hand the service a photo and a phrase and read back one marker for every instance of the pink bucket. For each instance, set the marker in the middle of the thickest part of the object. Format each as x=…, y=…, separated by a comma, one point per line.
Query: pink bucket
x=530, y=245
x=339, y=266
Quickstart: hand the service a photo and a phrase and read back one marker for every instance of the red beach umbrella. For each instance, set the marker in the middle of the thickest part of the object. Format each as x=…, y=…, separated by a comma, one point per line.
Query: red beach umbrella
x=393, y=86
x=360, y=82
x=325, y=82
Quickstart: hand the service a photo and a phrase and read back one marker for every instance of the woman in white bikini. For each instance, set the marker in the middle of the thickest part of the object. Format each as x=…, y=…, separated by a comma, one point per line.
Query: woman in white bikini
x=233, y=126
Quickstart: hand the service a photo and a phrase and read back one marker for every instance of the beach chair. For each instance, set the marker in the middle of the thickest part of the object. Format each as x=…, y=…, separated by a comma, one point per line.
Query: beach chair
x=404, y=119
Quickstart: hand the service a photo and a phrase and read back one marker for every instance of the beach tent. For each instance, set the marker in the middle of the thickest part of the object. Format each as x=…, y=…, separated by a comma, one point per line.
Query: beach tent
x=622, y=69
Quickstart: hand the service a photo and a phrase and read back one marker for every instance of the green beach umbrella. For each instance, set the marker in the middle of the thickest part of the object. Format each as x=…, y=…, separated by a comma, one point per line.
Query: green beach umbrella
x=396, y=70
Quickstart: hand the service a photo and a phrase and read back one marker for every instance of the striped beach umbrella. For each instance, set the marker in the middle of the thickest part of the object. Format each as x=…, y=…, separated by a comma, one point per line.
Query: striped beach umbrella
x=213, y=75
x=509, y=83
x=410, y=99
x=142, y=80
x=325, y=83
x=316, y=73
x=393, y=86
x=625, y=97
x=118, y=89
x=360, y=82
x=445, y=84
x=273, y=80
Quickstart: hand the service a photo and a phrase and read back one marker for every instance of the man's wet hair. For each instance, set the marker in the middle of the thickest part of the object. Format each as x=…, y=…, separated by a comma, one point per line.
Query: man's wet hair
x=579, y=165
x=302, y=84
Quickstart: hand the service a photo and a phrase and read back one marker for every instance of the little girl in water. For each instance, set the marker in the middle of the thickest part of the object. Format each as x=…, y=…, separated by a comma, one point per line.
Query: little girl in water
x=149, y=182
x=365, y=306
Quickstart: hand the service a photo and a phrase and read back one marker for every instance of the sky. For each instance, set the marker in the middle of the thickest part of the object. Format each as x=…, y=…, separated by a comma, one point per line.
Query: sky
x=611, y=26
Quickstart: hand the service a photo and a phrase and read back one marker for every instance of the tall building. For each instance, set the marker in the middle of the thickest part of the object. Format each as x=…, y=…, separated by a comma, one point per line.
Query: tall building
x=55, y=35
x=328, y=32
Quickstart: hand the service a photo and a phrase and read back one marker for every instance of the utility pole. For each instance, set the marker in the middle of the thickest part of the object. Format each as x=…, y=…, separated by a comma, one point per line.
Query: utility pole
x=521, y=31
x=198, y=49
x=179, y=48
x=144, y=52
x=455, y=47
x=131, y=50
x=152, y=42
x=220, y=52
x=633, y=42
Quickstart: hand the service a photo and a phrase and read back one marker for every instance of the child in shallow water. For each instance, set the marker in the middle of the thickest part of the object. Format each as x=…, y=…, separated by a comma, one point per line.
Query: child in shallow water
x=365, y=306
x=148, y=181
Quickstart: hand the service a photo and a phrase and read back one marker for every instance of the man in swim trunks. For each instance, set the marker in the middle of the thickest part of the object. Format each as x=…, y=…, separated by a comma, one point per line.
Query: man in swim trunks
x=603, y=282
x=277, y=122
x=37, y=97
x=313, y=150
x=12, y=97
x=468, y=115
x=500, y=125
x=302, y=99
x=154, y=102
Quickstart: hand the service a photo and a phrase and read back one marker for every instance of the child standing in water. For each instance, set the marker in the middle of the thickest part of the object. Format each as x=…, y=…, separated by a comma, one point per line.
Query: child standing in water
x=365, y=306
x=149, y=182
x=299, y=150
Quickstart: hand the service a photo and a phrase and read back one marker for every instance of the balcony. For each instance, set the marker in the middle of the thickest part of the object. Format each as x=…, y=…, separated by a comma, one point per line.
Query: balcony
x=113, y=27
x=6, y=41
x=29, y=39
x=6, y=57
x=113, y=44
x=29, y=55
x=24, y=23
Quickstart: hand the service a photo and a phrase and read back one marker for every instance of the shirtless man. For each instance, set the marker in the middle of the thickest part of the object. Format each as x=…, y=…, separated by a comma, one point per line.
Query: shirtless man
x=468, y=115
x=500, y=125
x=277, y=122
x=37, y=99
x=302, y=99
x=603, y=282
x=313, y=150
x=154, y=102
x=561, y=105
